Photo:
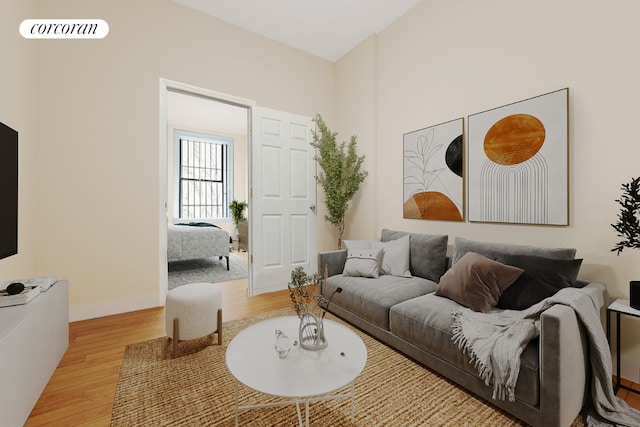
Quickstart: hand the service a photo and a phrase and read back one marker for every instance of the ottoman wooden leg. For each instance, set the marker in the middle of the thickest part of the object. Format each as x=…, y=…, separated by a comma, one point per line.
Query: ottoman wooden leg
x=175, y=337
x=219, y=326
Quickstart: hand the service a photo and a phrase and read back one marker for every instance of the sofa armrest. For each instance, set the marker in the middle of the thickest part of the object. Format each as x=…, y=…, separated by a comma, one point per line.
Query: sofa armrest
x=332, y=261
x=564, y=362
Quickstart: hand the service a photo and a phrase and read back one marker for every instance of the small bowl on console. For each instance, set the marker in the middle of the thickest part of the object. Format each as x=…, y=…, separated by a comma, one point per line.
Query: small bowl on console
x=15, y=288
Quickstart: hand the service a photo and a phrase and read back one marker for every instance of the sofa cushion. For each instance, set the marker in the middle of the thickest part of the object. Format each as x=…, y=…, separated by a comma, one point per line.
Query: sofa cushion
x=493, y=250
x=363, y=263
x=358, y=244
x=394, y=258
x=428, y=252
x=477, y=282
x=542, y=278
x=371, y=299
x=426, y=322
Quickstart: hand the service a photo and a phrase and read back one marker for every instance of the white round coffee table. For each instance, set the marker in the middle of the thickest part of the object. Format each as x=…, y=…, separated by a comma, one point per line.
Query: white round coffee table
x=304, y=375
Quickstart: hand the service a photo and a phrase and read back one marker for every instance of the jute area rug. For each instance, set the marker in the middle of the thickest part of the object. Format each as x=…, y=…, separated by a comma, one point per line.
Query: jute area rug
x=197, y=389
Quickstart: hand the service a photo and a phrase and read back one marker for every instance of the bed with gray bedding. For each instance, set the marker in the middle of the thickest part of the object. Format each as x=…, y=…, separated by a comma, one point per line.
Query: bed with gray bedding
x=185, y=242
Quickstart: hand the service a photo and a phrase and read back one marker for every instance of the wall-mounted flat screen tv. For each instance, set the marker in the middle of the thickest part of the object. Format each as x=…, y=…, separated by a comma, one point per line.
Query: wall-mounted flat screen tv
x=8, y=191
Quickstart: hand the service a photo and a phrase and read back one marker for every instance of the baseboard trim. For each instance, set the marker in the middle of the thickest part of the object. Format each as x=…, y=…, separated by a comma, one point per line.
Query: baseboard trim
x=109, y=308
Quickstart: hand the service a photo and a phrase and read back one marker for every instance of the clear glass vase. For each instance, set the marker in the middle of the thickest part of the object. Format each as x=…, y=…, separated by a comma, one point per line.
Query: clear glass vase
x=282, y=344
x=311, y=332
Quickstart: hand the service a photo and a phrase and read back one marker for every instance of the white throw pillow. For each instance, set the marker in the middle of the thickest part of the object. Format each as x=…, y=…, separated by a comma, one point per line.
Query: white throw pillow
x=363, y=263
x=359, y=244
x=395, y=256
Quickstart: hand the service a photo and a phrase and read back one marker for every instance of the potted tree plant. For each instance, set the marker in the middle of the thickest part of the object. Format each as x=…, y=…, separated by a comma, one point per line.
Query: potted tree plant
x=240, y=220
x=341, y=173
x=628, y=228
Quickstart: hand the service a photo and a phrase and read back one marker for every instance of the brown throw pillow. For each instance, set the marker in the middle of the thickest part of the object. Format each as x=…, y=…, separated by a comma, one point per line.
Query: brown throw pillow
x=477, y=282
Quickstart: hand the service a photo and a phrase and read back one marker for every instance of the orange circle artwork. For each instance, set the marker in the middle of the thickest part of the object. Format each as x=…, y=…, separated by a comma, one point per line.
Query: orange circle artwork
x=514, y=139
x=431, y=205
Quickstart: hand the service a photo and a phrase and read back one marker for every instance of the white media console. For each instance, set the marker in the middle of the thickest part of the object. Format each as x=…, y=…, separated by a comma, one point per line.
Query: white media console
x=33, y=339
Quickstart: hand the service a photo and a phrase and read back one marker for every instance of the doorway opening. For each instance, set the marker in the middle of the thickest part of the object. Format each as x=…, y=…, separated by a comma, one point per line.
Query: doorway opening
x=201, y=112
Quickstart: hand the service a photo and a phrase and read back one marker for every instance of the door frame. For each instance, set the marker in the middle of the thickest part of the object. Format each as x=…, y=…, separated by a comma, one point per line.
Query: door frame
x=165, y=87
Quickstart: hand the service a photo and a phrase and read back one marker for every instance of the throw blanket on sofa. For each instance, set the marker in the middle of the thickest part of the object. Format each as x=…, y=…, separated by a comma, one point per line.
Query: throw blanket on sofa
x=495, y=341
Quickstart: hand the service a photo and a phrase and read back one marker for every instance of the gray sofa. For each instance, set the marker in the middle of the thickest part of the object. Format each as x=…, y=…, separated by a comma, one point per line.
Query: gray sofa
x=406, y=314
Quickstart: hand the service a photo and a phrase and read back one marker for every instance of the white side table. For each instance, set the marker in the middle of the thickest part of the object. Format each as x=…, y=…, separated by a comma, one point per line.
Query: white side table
x=304, y=376
x=619, y=306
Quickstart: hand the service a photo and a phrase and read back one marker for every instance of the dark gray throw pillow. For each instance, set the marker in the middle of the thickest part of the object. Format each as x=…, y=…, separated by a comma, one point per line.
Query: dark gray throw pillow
x=542, y=278
x=427, y=253
x=493, y=250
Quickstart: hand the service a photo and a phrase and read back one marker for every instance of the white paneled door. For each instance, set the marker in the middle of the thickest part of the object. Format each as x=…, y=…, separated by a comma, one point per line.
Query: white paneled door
x=282, y=203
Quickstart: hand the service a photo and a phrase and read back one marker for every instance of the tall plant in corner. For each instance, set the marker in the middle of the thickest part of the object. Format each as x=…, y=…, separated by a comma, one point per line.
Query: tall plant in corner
x=341, y=173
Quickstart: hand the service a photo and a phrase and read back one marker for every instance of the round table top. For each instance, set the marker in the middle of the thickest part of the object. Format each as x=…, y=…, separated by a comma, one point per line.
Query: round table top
x=252, y=359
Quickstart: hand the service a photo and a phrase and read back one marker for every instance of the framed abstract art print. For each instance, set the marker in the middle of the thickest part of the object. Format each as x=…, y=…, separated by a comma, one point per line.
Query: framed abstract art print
x=518, y=162
x=433, y=184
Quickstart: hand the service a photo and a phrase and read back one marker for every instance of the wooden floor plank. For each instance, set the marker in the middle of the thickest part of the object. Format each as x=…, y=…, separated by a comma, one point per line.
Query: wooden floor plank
x=82, y=389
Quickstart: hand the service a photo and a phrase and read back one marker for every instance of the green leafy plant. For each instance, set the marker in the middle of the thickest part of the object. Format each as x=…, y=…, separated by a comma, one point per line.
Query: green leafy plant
x=302, y=292
x=628, y=225
x=237, y=211
x=341, y=173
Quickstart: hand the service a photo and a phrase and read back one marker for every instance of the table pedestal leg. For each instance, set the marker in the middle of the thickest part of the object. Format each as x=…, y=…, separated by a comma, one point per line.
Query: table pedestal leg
x=298, y=402
x=299, y=415
x=307, y=412
x=236, y=396
x=617, y=387
x=353, y=402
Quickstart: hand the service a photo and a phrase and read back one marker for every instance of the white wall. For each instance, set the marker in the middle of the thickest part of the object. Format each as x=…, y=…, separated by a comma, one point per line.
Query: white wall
x=444, y=60
x=98, y=127
x=356, y=115
x=17, y=110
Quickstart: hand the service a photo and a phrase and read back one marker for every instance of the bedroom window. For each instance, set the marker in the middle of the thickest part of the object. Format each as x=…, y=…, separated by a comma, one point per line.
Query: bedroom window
x=203, y=165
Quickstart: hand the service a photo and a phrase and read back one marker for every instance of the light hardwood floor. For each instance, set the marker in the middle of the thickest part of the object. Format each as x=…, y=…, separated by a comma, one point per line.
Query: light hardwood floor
x=82, y=389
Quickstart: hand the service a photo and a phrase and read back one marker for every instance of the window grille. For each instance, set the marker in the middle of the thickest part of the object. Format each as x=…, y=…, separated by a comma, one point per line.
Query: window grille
x=204, y=179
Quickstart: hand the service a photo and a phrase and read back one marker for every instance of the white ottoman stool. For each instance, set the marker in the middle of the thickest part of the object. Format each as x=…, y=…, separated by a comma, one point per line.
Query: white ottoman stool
x=193, y=311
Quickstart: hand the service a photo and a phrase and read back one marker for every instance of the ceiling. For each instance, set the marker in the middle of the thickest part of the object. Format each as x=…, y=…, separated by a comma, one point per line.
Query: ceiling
x=203, y=114
x=324, y=28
